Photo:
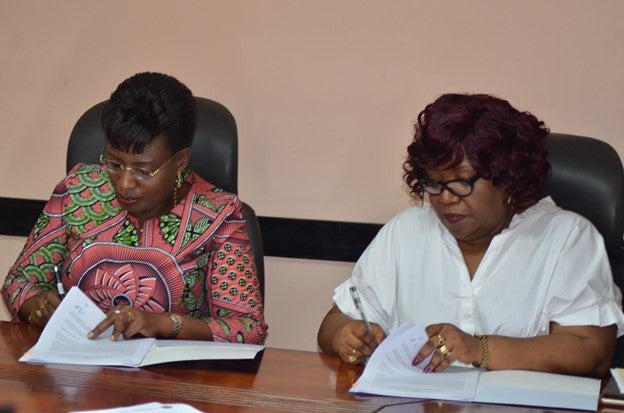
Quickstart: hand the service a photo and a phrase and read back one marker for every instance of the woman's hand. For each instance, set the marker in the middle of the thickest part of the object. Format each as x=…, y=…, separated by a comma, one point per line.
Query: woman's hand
x=39, y=308
x=128, y=321
x=448, y=343
x=353, y=343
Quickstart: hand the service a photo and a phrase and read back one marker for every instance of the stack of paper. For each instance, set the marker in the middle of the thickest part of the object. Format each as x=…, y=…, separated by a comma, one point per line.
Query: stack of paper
x=618, y=375
x=389, y=372
x=64, y=340
x=612, y=393
x=153, y=407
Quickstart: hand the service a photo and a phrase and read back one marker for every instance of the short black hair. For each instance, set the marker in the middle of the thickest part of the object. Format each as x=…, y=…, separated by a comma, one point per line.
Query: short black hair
x=147, y=105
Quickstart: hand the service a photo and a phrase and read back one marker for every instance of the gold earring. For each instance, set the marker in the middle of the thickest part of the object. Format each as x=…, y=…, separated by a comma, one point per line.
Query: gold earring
x=510, y=201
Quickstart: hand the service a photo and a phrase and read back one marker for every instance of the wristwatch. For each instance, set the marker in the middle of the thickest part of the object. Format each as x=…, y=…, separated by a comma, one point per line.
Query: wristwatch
x=485, y=350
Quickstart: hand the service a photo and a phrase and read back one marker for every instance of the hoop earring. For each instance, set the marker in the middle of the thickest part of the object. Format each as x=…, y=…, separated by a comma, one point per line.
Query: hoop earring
x=177, y=186
x=510, y=201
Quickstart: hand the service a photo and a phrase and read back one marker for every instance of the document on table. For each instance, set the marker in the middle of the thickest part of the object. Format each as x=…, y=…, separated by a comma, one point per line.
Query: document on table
x=618, y=375
x=64, y=340
x=147, y=408
x=389, y=372
x=612, y=393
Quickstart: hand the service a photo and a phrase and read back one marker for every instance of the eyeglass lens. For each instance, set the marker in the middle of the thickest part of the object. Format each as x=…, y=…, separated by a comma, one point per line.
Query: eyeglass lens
x=114, y=167
x=457, y=187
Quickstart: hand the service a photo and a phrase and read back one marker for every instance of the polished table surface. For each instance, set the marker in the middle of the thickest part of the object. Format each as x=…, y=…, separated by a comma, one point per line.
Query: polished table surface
x=276, y=381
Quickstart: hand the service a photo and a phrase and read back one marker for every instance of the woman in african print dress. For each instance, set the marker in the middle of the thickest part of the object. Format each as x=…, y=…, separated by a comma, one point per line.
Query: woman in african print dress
x=161, y=251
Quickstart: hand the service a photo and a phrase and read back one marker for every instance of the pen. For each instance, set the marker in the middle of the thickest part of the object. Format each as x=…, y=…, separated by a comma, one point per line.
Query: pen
x=59, y=284
x=358, y=306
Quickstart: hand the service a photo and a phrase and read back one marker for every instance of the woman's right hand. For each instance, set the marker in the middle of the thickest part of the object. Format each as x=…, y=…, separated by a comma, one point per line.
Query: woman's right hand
x=354, y=344
x=39, y=308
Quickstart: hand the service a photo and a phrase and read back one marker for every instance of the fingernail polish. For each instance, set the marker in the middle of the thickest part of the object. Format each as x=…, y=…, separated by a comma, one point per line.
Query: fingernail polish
x=426, y=370
x=415, y=362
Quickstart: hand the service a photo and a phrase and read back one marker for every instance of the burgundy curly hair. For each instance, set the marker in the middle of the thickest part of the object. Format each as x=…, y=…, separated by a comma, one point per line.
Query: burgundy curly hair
x=501, y=143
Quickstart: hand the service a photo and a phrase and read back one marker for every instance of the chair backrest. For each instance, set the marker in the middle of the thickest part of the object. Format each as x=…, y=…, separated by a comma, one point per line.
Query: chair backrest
x=588, y=178
x=214, y=150
x=214, y=156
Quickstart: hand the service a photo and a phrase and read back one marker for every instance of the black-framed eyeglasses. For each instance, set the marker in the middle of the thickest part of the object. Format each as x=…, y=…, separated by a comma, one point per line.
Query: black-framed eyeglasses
x=458, y=187
x=115, y=168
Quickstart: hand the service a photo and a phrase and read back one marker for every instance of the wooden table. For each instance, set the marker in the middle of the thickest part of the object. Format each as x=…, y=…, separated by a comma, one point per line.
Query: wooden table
x=277, y=381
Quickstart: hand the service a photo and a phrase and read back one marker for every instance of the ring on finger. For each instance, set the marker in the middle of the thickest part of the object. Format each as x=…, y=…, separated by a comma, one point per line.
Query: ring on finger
x=441, y=340
x=117, y=311
x=352, y=358
x=36, y=313
x=444, y=350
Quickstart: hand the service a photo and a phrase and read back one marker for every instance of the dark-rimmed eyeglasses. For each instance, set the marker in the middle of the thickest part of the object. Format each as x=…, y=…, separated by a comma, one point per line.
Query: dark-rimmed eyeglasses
x=115, y=168
x=458, y=187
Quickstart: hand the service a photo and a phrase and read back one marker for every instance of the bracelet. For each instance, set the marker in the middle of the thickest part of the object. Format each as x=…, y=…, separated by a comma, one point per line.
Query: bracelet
x=177, y=325
x=485, y=350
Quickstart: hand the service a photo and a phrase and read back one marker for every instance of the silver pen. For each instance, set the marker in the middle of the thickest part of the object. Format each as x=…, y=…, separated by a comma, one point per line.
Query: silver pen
x=59, y=283
x=358, y=305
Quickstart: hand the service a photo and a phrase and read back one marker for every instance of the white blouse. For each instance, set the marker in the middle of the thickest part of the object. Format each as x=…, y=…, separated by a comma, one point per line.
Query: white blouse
x=549, y=265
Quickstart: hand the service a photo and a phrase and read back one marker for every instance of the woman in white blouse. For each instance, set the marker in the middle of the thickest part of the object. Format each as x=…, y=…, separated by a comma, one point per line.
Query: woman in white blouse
x=500, y=278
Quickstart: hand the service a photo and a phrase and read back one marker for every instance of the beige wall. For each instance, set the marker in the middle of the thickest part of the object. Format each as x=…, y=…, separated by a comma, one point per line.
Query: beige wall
x=324, y=93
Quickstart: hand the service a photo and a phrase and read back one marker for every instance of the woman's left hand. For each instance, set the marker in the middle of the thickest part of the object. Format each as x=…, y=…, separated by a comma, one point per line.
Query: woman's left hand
x=128, y=321
x=448, y=343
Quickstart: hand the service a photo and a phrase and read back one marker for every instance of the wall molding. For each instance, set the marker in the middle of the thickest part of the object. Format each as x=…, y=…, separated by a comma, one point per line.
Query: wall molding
x=281, y=237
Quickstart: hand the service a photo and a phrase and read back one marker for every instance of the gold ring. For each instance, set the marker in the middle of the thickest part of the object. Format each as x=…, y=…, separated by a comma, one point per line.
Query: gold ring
x=352, y=359
x=444, y=350
x=440, y=340
x=446, y=356
x=117, y=311
x=38, y=313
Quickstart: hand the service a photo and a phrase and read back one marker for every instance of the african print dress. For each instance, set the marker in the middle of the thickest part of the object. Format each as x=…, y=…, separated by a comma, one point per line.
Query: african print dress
x=196, y=260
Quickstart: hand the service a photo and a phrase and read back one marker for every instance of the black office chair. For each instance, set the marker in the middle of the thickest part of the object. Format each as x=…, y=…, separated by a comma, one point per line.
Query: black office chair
x=588, y=178
x=214, y=156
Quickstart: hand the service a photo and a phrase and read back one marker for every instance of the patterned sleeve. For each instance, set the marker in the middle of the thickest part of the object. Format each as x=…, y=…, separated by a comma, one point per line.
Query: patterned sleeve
x=45, y=247
x=236, y=307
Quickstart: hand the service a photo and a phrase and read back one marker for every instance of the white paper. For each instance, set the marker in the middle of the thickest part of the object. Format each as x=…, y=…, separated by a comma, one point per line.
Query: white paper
x=147, y=408
x=618, y=375
x=389, y=372
x=185, y=350
x=64, y=340
x=398, y=350
x=538, y=389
